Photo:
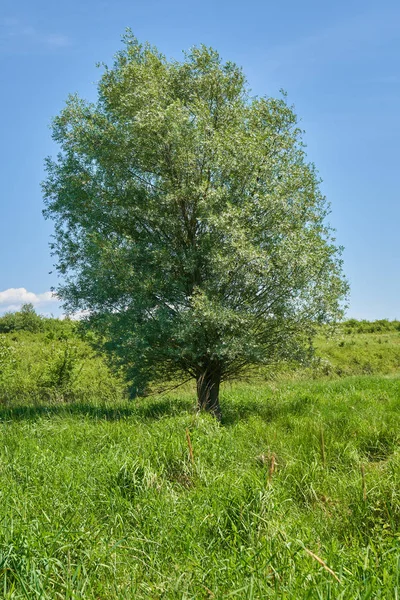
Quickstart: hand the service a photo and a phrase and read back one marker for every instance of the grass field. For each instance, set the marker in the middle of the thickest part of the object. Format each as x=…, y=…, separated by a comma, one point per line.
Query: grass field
x=296, y=495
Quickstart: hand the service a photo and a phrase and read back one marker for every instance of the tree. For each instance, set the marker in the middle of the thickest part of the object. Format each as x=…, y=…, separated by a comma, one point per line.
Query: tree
x=25, y=319
x=188, y=223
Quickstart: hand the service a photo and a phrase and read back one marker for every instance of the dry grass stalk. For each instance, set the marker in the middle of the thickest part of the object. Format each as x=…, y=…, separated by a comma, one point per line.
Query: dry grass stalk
x=189, y=443
x=323, y=564
x=209, y=592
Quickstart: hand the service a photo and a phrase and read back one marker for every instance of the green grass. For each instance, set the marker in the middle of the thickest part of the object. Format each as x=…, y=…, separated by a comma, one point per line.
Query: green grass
x=360, y=353
x=101, y=500
x=43, y=367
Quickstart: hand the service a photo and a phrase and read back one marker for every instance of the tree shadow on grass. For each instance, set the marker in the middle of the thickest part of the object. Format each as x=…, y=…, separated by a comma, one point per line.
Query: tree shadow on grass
x=151, y=410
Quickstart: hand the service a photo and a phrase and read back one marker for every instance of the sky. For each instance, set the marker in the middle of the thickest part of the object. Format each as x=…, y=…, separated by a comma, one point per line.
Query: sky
x=339, y=63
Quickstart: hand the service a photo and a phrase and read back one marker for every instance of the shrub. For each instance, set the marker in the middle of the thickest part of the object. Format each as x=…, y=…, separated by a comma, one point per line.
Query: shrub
x=26, y=319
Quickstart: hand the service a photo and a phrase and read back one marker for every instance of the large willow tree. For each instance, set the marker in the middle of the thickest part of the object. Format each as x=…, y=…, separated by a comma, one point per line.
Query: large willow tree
x=188, y=223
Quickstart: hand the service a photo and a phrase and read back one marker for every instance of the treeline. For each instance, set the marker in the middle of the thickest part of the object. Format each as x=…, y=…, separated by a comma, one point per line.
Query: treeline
x=27, y=319
x=379, y=326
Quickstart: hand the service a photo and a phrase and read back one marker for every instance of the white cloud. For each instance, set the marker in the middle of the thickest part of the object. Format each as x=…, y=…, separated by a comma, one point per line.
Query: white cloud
x=13, y=298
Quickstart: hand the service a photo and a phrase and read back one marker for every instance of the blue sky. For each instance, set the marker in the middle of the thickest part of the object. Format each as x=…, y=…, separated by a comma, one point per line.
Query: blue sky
x=339, y=63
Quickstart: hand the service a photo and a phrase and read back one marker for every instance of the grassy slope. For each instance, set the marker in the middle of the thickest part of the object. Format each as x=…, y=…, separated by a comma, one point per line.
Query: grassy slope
x=99, y=498
x=361, y=353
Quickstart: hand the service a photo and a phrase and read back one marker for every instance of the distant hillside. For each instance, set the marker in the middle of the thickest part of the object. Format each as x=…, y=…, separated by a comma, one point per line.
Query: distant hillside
x=361, y=348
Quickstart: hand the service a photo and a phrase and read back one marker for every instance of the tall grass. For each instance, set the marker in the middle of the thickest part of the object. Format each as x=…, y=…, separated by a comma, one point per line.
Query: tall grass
x=104, y=501
x=295, y=495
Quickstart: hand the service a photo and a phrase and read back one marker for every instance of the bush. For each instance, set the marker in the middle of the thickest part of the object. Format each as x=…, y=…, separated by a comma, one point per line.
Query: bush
x=7, y=358
x=380, y=326
x=62, y=368
x=26, y=319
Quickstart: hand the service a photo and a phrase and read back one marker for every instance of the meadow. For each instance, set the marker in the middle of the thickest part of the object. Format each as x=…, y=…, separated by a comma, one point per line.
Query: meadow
x=295, y=495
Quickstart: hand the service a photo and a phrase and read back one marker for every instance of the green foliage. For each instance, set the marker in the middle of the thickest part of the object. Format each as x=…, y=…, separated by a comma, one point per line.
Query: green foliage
x=7, y=358
x=382, y=325
x=188, y=221
x=62, y=367
x=53, y=364
x=25, y=319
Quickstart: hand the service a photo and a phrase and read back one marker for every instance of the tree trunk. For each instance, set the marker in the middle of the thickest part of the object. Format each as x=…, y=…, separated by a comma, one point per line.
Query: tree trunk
x=208, y=390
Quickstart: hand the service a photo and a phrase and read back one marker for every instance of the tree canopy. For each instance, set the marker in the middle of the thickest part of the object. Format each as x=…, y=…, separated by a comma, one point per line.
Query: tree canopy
x=188, y=222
